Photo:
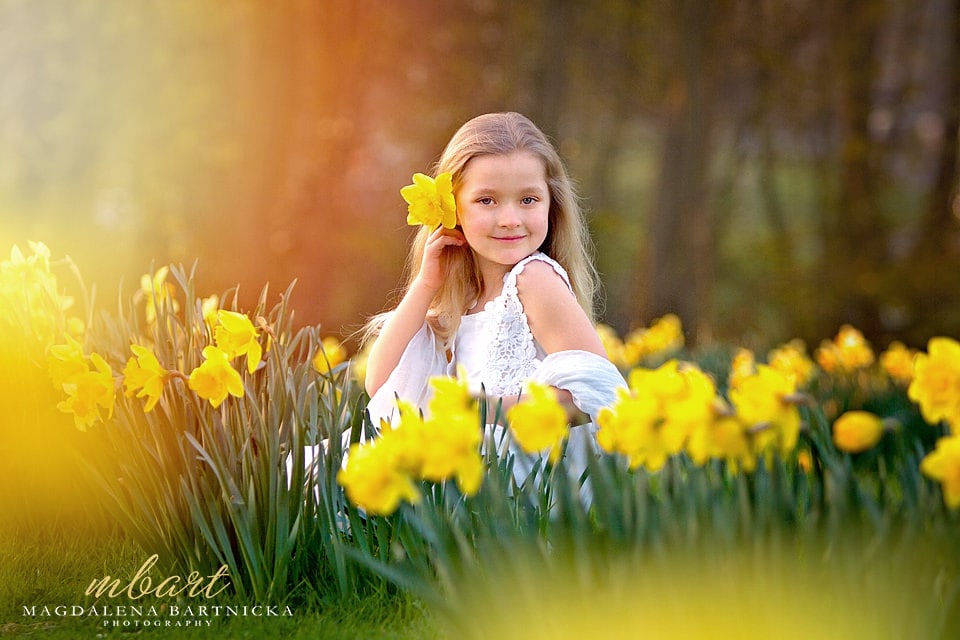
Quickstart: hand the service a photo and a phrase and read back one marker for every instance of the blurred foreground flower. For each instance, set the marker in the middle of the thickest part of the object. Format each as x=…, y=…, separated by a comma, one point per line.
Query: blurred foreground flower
x=452, y=435
x=539, y=421
x=766, y=403
x=653, y=419
x=430, y=202
x=443, y=446
x=743, y=365
x=857, y=431
x=936, y=382
x=791, y=359
x=374, y=477
x=943, y=465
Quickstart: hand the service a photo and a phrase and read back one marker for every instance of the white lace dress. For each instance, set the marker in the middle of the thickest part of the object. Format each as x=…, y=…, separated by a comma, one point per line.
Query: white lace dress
x=495, y=345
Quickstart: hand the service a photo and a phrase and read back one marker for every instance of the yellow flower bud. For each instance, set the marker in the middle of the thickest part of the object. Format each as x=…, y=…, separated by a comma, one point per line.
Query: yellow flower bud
x=857, y=431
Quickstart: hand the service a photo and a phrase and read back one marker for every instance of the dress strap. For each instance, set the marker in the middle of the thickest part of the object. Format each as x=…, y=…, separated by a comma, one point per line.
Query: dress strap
x=510, y=280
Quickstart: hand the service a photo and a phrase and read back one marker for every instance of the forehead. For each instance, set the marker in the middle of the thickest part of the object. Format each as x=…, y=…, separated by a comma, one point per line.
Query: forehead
x=504, y=170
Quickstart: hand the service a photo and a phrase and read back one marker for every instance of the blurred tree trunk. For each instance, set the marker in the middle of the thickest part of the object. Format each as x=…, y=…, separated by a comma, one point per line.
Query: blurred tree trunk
x=855, y=234
x=938, y=230
x=931, y=275
x=681, y=266
x=557, y=22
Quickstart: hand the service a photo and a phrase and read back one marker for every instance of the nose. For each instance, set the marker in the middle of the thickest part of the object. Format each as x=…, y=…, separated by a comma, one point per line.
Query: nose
x=509, y=217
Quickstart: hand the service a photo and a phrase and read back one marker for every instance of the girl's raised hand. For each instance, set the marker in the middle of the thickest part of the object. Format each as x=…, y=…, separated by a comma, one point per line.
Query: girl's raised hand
x=432, y=271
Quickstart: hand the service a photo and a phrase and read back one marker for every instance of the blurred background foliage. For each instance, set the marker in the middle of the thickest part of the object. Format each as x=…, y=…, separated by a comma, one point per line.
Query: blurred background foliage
x=766, y=169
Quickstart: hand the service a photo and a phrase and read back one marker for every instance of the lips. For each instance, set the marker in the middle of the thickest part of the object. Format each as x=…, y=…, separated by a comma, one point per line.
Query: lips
x=508, y=238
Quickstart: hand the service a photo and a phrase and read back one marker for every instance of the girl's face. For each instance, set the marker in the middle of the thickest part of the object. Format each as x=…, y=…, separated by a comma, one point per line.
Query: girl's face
x=503, y=205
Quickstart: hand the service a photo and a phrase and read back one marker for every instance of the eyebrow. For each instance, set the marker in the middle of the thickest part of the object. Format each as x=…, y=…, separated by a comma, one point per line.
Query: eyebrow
x=484, y=190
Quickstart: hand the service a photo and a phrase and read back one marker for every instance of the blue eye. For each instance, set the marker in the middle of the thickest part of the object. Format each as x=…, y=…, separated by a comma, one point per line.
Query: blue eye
x=528, y=200
x=485, y=200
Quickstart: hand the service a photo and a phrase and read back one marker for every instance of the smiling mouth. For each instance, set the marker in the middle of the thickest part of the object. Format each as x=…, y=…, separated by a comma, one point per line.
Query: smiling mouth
x=508, y=238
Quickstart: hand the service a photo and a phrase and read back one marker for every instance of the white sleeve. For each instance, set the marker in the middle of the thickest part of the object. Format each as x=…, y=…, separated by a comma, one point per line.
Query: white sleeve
x=420, y=361
x=591, y=379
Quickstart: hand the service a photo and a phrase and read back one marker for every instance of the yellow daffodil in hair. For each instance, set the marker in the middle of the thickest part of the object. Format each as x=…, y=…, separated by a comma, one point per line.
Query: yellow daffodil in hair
x=430, y=201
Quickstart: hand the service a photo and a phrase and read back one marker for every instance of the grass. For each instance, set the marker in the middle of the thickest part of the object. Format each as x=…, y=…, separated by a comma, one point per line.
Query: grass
x=53, y=566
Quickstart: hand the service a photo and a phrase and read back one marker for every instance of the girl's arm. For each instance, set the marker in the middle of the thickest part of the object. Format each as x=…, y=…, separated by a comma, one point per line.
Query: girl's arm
x=557, y=321
x=555, y=317
x=409, y=316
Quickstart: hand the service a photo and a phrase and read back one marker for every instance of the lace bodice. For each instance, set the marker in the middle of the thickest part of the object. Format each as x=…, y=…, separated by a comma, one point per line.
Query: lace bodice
x=495, y=345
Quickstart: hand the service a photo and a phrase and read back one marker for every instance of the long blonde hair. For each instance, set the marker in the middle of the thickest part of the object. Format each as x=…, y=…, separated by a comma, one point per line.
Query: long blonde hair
x=567, y=241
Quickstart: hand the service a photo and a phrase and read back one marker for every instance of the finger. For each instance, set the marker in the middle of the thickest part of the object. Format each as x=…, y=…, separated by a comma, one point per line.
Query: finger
x=451, y=238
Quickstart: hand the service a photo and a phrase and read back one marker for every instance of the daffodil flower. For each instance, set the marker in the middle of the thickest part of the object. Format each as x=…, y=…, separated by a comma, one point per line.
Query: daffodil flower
x=215, y=378
x=765, y=399
x=857, y=431
x=936, y=382
x=329, y=355
x=237, y=336
x=373, y=481
x=144, y=376
x=430, y=202
x=88, y=393
x=66, y=362
x=156, y=292
x=539, y=421
x=943, y=465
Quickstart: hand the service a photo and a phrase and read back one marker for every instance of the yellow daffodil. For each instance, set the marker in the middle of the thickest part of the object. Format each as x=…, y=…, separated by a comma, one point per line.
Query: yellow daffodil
x=89, y=393
x=208, y=309
x=373, y=481
x=724, y=438
x=943, y=465
x=936, y=382
x=663, y=337
x=791, y=359
x=452, y=395
x=144, y=376
x=897, y=362
x=847, y=352
x=215, y=378
x=329, y=355
x=627, y=427
x=743, y=365
x=157, y=292
x=764, y=403
x=406, y=439
x=235, y=335
x=430, y=202
x=66, y=362
x=451, y=436
x=659, y=413
x=539, y=421
x=613, y=345
x=857, y=431
x=31, y=305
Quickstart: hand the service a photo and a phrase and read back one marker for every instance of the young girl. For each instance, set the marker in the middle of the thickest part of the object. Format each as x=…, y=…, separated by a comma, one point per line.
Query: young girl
x=508, y=293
